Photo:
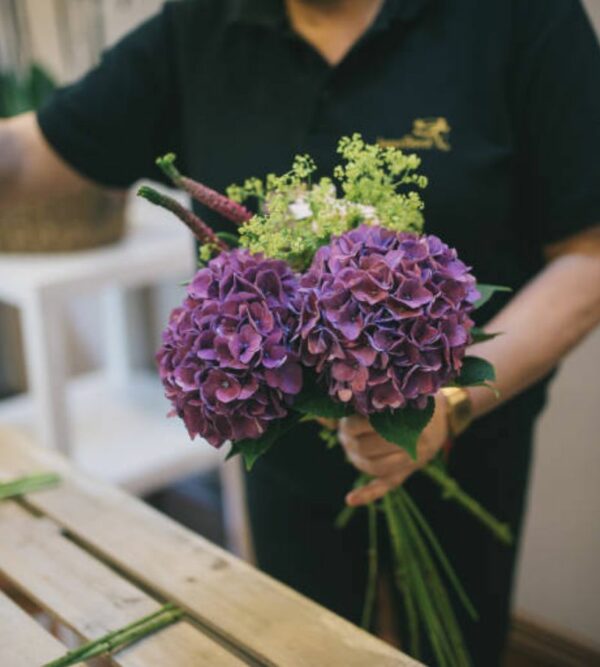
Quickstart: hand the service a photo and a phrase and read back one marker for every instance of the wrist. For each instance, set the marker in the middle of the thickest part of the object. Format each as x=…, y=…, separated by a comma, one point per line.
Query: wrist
x=459, y=410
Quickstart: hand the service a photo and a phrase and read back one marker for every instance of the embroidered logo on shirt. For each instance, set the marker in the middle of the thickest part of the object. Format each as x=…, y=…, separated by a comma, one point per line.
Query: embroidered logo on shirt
x=426, y=134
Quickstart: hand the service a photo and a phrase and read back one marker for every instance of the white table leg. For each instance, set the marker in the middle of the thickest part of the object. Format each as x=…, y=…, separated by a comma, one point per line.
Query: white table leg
x=124, y=321
x=235, y=514
x=43, y=337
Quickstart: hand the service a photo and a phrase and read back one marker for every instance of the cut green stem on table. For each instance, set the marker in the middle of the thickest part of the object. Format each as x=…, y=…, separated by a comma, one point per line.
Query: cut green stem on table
x=120, y=638
x=452, y=490
x=30, y=484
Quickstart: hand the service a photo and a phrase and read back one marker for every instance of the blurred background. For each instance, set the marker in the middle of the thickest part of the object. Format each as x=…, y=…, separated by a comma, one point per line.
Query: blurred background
x=98, y=306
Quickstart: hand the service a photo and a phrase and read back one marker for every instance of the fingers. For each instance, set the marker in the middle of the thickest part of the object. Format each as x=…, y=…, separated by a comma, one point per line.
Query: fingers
x=373, y=455
x=368, y=493
x=355, y=425
x=369, y=445
x=384, y=466
x=331, y=424
x=377, y=488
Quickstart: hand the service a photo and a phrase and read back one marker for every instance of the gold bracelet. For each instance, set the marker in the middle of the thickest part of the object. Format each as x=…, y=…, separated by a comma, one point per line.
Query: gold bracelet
x=460, y=410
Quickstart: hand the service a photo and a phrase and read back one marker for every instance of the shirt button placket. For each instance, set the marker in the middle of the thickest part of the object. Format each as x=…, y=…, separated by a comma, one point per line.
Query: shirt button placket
x=324, y=97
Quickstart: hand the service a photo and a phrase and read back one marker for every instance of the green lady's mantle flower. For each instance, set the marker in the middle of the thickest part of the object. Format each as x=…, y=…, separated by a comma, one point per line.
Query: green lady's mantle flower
x=298, y=216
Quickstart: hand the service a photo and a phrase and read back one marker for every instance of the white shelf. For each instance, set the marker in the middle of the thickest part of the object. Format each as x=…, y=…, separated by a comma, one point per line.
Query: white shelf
x=123, y=436
x=156, y=248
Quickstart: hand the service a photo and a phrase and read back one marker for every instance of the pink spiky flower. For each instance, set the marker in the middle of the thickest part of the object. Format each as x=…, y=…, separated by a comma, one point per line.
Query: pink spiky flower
x=203, y=194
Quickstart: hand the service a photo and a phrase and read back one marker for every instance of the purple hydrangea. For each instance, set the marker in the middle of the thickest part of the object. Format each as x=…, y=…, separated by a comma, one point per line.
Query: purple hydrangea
x=384, y=317
x=225, y=361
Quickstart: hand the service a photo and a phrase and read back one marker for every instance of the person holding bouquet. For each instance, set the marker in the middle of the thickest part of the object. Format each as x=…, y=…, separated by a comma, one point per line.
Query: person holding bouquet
x=500, y=100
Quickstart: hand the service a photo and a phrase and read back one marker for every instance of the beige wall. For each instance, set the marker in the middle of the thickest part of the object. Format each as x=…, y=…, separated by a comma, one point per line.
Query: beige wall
x=67, y=36
x=558, y=578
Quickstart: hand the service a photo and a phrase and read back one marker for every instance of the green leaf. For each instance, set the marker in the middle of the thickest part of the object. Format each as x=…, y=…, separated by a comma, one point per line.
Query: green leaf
x=321, y=406
x=234, y=451
x=252, y=449
x=491, y=387
x=231, y=239
x=403, y=427
x=475, y=372
x=314, y=401
x=479, y=335
x=487, y=291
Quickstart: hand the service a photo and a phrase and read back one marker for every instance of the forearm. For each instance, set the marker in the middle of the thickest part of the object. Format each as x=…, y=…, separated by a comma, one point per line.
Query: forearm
x=30, y=169
x=540, y=325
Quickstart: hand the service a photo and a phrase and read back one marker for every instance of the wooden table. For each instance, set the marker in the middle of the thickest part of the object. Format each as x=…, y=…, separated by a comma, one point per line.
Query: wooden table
x=97, y=559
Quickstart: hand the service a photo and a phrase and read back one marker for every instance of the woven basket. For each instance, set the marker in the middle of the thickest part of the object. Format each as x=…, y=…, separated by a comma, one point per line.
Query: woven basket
x=78, y=222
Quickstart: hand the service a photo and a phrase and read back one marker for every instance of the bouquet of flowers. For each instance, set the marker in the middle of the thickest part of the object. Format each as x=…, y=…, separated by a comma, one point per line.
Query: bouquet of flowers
x=331, y=301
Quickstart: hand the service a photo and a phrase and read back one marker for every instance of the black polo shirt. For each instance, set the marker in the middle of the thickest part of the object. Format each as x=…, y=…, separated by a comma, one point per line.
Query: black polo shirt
x=501, y=99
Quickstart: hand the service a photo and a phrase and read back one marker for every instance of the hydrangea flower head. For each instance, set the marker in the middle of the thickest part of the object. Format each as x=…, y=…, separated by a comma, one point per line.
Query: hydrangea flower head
x=225, y=361
x=384, y=317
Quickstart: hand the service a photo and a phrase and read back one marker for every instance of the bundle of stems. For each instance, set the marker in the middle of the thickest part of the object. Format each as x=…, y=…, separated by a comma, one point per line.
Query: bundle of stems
x=29, y=484
x=118, y=639
x=421, y=568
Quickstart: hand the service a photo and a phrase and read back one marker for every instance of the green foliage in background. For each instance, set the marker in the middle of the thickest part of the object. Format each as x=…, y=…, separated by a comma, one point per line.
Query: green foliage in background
x=19, y=93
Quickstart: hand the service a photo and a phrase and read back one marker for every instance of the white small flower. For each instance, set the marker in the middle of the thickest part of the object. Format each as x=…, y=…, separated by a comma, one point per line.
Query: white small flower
x=369, y=212
x=300, y=209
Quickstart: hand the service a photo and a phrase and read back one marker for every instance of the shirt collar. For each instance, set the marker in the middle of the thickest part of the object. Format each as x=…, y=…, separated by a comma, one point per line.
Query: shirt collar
x=271, y=13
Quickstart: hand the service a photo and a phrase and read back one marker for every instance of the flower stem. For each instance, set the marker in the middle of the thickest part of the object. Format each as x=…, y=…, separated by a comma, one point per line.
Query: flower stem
x=402, y=555
x=343, y=518
x=371, y=593
x=29, y=484
x=120, y=638
x=198, y=227
x=453, y=491
x=414, y=632
x=415, y=579
x=434, y=595
x=439, y=552
x=403, y=573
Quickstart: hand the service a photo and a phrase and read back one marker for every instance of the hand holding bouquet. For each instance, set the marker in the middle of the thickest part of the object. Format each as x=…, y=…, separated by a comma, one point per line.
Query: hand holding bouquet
x=323, y=307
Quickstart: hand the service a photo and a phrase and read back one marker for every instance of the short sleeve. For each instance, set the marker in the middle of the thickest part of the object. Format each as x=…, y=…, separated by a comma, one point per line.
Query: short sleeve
x=557, y=106
x=112, y=124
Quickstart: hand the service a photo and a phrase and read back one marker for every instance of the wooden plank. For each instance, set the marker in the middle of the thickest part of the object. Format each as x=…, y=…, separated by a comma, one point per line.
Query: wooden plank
x=268, y=620
x=90, y=598
x=23, y=641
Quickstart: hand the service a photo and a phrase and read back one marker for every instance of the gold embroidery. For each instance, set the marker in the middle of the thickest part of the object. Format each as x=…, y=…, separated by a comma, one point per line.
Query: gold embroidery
x=427, y=133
